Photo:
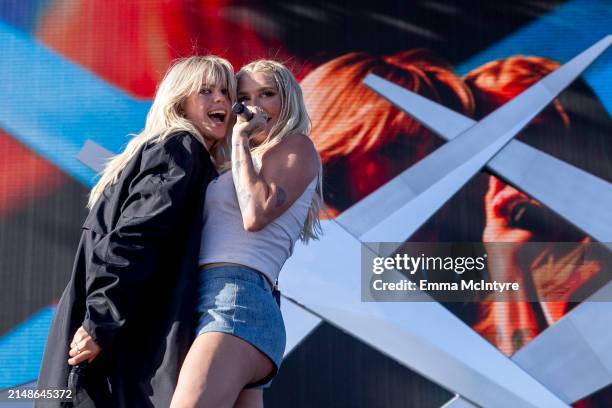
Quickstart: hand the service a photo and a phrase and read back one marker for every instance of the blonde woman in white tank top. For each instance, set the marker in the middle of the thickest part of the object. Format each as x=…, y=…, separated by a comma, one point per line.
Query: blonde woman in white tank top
x=253, y=215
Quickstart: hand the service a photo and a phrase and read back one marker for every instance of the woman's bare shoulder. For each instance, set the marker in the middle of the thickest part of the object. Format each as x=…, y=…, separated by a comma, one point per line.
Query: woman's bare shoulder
x=294, y=151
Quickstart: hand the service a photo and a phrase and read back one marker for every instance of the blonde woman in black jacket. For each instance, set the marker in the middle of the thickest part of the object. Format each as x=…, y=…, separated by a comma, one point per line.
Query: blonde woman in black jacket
x=127, y=312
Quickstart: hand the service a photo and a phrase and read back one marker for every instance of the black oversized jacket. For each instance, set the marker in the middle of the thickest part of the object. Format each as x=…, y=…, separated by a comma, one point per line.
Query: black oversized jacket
x=134, y=280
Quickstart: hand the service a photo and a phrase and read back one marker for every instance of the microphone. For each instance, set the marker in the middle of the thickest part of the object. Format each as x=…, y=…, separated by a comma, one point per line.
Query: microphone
x=530, y=217
x=240, y=109
x=544, y=222
x=77, y=373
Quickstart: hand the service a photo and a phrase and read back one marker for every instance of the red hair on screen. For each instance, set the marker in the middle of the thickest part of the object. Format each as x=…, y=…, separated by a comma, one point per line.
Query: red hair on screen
x=358, y=131
x=348, y=118
x=495, y=83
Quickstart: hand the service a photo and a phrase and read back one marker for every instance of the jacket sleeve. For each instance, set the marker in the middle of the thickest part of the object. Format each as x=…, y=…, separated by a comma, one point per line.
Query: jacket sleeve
x=125, y=259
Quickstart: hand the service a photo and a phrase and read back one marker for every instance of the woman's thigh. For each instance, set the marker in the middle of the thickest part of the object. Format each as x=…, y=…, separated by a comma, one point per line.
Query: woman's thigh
x=250, y=399
x=216, y=369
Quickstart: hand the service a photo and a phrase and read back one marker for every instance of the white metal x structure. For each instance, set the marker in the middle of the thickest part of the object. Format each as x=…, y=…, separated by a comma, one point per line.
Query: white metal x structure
x=580, y=342
x=400, y=207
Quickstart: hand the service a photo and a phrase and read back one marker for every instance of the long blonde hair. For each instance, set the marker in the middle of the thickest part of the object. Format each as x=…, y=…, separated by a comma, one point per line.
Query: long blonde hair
x=185, y=77
x=293, y=118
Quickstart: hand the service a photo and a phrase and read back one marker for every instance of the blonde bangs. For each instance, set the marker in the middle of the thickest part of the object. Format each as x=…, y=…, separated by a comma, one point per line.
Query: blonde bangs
x=215, y=73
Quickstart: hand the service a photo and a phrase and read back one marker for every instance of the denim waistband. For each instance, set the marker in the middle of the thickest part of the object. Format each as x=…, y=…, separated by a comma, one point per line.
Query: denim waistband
x=237, y=272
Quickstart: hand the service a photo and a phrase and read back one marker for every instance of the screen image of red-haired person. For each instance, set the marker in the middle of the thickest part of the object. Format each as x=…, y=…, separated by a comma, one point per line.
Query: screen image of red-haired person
x=364, y=141
x=568, y=131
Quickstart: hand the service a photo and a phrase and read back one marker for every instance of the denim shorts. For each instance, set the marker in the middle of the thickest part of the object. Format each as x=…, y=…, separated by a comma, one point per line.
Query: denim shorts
x=238, y=300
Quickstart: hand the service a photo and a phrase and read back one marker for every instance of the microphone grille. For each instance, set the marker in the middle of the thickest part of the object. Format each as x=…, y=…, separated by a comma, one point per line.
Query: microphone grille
x=238, y=108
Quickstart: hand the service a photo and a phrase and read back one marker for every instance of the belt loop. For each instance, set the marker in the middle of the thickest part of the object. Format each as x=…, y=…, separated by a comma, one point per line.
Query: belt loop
x=276, y=293
x=266, y=282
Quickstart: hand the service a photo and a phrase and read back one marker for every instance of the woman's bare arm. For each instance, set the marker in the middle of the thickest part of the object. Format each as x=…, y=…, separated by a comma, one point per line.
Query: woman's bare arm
x=286, y=171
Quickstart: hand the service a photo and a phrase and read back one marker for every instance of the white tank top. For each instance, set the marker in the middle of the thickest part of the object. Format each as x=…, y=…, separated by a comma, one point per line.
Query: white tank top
x=224, y=238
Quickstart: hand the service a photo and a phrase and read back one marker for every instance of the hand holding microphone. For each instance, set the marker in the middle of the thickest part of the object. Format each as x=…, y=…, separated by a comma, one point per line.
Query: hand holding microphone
x=241, y=110
x=83, y=349
x=251, y=120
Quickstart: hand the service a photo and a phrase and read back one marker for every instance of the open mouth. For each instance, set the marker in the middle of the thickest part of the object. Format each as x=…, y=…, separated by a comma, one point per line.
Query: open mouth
x=217, y=116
